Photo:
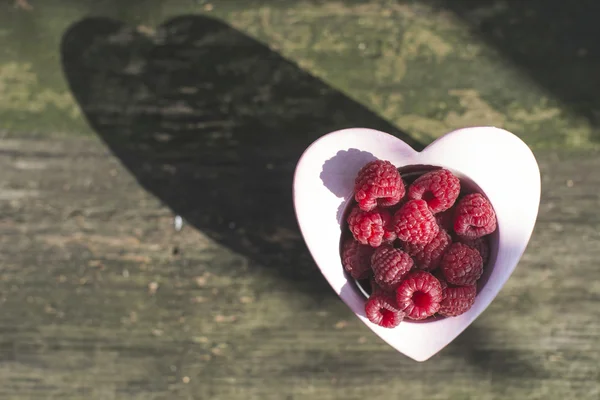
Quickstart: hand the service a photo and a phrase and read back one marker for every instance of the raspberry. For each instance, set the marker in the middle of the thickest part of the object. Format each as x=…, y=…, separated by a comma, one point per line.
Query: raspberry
x=480, y=244
x=427, y=257
x=419, y=295
x=371, y=227
x=461, y=265
x=439, y=188
x=390, y=265
x=381, y=309
x=356, y=259
x=378, y=183
x=414, y=223
x=446, y=220
x=474, y=217
x=457, y=300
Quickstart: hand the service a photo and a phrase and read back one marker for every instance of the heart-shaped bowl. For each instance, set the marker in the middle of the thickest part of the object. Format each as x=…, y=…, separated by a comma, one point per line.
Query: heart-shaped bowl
x=488, y=160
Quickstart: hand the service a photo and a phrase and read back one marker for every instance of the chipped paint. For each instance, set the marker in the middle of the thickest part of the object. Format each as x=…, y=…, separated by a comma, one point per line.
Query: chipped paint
x=20, y=91
x=416, y=65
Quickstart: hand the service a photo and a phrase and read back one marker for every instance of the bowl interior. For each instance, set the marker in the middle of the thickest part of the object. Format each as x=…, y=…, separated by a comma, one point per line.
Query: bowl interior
x=409, y=173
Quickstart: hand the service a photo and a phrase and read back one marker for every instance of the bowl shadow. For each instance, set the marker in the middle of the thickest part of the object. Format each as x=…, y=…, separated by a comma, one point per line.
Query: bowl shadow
x=211, y=122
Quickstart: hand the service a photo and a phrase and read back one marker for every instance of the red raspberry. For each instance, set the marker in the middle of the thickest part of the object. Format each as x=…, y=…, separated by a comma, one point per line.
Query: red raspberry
x=378, y=183
x=390, y=265
x=461, y=265
x=457, y=300
x=428, y=257
x=474, y=217
x=439, y=188
x=480, y=244
x=356, y=259
x=446, y=220
x=371, y=227
x=419, y=295
x=414, y=223
x=381, y=309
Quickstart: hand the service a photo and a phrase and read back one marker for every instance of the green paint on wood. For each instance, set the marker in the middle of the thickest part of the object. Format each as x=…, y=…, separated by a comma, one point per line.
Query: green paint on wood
x=417, y=65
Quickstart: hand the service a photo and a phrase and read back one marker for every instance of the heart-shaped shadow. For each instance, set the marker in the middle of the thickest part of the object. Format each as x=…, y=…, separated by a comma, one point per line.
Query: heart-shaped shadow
x=212, y=122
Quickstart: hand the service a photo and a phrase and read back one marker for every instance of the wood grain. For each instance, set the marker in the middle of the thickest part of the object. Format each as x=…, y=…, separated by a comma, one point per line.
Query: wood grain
x=101, y=298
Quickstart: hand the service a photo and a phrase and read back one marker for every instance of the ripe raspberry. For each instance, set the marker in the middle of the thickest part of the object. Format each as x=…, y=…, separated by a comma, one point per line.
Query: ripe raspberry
x=356, y=259
x=474, y=217
x=371, y=227
x=439, y=188
x=480, y=244
x=414, y=223
x=390, y=265
x=381, y=309
x=461, y=265
x=419, y=295
x=427, y=257
x=378, y=183
x=446, y=220
x=457, y=300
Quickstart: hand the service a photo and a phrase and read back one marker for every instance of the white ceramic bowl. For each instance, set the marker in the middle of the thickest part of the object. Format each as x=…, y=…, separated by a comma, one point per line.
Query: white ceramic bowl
x=499, y=163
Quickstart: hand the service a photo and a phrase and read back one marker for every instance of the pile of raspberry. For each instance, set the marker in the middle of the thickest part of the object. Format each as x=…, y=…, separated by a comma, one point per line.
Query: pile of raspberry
x=420, y=245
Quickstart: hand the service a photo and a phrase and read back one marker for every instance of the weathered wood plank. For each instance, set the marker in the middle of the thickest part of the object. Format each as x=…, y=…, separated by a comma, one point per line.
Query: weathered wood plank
x=96, y=302
x=426, y=66
x=101, y=298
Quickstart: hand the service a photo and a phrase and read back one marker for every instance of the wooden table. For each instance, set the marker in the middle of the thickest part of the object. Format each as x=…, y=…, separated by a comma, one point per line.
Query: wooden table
x=103, y=296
